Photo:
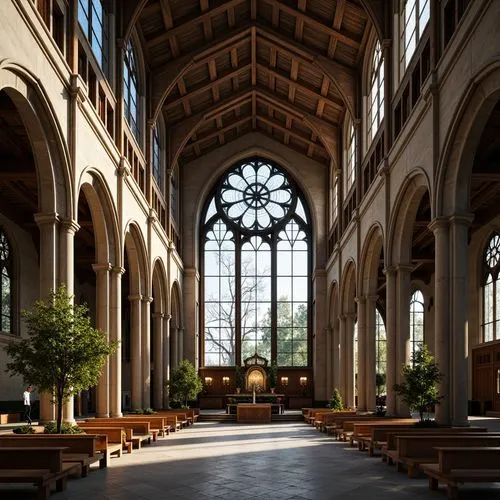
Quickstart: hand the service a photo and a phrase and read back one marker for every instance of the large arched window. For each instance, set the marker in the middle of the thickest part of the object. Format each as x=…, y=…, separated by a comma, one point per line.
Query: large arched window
x=414, y=16
x=6, y=292
x=491, y=290
x=93, y=21
x=156, y=163
x=376, y=94
x=416, y=321
x=350, y=157
x=380, y=346
x=256, y=268
x=130, y=89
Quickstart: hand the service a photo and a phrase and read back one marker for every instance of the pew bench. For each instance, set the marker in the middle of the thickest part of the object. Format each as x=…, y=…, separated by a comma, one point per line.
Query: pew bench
x=362, y=431
x=155, y=422
x=40, y=466
x=458, y=464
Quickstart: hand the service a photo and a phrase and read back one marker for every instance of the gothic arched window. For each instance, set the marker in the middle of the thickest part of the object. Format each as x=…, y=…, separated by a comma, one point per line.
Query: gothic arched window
x=416, y=321
x=130, y=89
x=380, y=345
x=350, y=157
x=92, y=18
x=491, y=290
x=376, y=94
x=156, y=158
x=414, y=16
x=256, y=268
x=6, y=292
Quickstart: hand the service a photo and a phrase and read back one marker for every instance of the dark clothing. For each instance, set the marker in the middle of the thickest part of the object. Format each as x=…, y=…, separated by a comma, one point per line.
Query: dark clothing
x=27, y=413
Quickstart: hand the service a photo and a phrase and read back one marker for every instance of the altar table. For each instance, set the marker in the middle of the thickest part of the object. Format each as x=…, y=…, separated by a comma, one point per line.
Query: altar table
x=250, y=413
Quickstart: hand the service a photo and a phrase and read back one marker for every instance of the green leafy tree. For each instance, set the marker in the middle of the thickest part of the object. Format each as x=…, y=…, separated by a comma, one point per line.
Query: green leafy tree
x=419, y=390
x=273, y=374
x=185, y=384
x=63, y=353
x=335, y=403
x=239, y=377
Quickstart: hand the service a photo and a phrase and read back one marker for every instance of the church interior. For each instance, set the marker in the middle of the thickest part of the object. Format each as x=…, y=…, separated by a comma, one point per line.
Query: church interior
x=311, y=184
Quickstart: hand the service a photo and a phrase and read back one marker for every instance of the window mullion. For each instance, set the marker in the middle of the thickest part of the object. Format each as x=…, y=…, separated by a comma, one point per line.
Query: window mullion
x=274, y=300
x=237, y=305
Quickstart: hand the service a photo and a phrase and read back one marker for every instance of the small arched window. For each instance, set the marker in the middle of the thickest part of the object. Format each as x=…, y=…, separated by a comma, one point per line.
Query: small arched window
x=92, y=18
x=491, y=290
x=414, y=16
x=335, y=200
x=130, y=89
x=376, y=94
x=380, y=345
x=156, y=158
x=416, y=321
x=350, y=157
x=6, y=286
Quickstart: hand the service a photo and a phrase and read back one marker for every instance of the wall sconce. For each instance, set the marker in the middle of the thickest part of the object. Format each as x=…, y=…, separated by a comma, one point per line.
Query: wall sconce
x=303, y=381
x=225, y=381
x=284, y=381
x=208, y=381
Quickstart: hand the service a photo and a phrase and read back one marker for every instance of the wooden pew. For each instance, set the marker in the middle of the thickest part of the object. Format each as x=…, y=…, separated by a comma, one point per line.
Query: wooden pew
x=40, y=466
x=389, y=451
x=155, y=422
x=311, y=414
x=362, y=431
x=110, y=440
x=325, y=419
x=346, y=429
x=414, y=451
x=460, y=464
x=181, y=415
x=137, y=432
x=335, y=427
x=79, y=448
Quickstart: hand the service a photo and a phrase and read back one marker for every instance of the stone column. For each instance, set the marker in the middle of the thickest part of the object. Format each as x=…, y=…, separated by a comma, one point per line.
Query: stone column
x=342, y=370
x=349, y=359
x=328, y=371
x=115, y=327
x=440, y=228
x=102, y=322
x=66, y=275
x=361, y=353
x=390, y=328
x=47, y=224
x=146, y=351
x=459, y=226
x=166, y=356
x=174, y=349
x=135, y=350
x=180, y=345
x=336, y=354
x=158, y=319
x=370, y=349
x=403, y=290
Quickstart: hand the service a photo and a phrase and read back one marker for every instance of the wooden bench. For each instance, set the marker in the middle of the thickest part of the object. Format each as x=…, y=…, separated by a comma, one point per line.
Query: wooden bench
x=110, y=441
x=325, y=419
x=460, y=464
x=137, y=432
x=158, y=423
x=389, y=450
x=182, y=416
x=413, y=451
x=40, y=466
x=79, y=448
x=362, y=431
x=335, y=425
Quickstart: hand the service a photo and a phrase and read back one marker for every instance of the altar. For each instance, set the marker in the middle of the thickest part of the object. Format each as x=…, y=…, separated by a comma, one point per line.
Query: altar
x=253, y=413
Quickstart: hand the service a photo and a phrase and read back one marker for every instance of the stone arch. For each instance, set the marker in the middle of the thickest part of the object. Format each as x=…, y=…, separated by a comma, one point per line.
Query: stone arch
x=455, y=164
x=176, y=305
x=348, y=288
x=137, y=260
x=370, y=260
x=104, y=216
x=399, y=237
x=333, y=309
x=50, y=151
x=159, y=286
x=232, y=160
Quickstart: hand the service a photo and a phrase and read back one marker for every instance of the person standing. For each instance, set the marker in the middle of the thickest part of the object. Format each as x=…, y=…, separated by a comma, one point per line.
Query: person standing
x=27, y=404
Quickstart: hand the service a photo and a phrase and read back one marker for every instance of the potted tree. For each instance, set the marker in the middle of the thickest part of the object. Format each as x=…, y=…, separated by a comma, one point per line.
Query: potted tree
x=239, y=379
x=185, y=384
x=273, y=376
x=335, y=403
x=63, y=353
x=419, y=389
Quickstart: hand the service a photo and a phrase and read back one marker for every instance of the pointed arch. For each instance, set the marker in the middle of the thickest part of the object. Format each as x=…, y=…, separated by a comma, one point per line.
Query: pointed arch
x=348, y=288
x=137, y=259
x=159, y=286
x=370, y=259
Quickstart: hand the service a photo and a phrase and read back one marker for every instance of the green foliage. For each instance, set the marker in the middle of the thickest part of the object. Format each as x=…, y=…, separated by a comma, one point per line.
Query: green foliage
x=137, y=411
x=426, y=423
x=239, y=378
x=380, y=379
x=24, y=429
x=66, y=428
x=63, y=353
x=185, y=384
x=335, y=403
x=419, y=389
x=273, y=374
x=149, y=411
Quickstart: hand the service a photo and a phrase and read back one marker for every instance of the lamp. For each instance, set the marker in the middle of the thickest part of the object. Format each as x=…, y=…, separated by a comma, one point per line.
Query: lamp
x=225, y=381
x=303, y=381
x=208, y=381
x=284, y=381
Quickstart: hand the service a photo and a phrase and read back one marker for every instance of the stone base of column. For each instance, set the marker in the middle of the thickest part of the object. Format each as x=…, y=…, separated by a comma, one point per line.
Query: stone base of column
x=116, y=415
x=102, y=415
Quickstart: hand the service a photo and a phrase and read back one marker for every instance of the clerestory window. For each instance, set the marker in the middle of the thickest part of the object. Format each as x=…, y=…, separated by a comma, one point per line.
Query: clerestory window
x=93, y=21
x=375, y=113
x=130, y=90
x=491, y=290
x=414, y=16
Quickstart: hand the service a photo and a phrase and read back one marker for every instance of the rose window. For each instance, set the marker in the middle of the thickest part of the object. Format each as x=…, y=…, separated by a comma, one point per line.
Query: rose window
x=493, y=252
x=256, y=196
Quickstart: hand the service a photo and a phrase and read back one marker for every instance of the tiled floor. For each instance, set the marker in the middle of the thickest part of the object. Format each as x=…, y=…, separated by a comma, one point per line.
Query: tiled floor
x=231, y=461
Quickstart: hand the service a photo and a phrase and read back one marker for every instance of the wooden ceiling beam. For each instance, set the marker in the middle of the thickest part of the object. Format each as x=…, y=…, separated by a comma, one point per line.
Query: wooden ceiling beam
x=314, y=23
x=337, y=23
x=193, y=21
x=168, y=21
x=207, y=23
x=299, y=22
x=207, y=87
x=185, y=102
x=276, y=125
x=302, y=87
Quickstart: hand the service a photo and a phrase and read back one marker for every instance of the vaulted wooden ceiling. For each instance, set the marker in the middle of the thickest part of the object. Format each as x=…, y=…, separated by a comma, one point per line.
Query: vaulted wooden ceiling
x=221, y=69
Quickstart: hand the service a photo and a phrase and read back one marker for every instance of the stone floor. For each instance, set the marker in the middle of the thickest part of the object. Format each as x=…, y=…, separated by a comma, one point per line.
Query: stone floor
x=231, y=461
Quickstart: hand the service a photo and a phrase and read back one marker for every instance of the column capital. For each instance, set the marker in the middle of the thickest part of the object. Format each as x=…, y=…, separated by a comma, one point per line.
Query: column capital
x=439, y=223
x=145, y=298
x=118, y=270
x=124, y=167
x=70, y=225
x=46, y=219
x=461, y=219
x=100, y=267
x=158, y=315
x=167, y=316
x=135, y=298
x=389, y=271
